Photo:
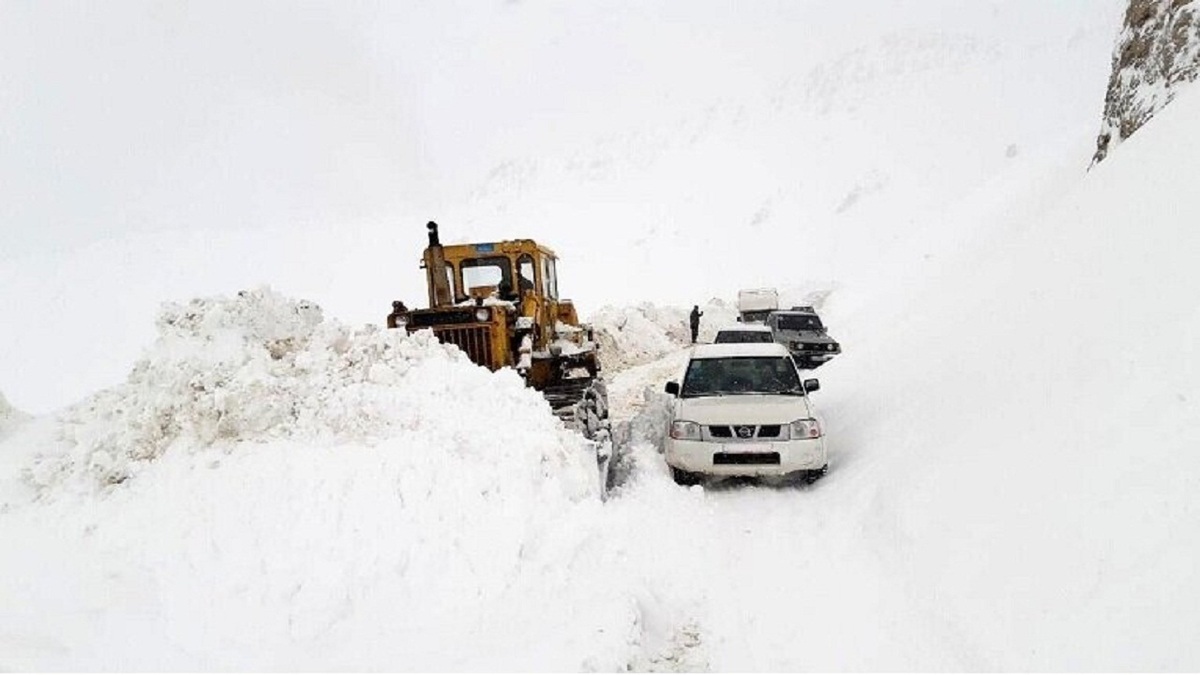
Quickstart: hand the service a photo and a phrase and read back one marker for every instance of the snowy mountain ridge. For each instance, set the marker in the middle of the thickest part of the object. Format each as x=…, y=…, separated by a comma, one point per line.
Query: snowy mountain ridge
x=1157, y=53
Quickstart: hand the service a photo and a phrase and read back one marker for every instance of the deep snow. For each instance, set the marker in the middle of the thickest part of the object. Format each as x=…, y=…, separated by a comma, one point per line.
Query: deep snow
x=1013, y=484
x=1012, y=429
x=258, y=447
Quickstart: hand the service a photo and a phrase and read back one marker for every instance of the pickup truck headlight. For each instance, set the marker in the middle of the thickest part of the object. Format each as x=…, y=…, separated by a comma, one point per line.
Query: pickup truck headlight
x=682, y=430
x=805, y=428
x=483, y=314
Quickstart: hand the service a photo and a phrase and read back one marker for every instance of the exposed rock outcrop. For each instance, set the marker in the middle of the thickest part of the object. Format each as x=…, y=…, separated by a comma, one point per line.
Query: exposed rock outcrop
x=1158, y=49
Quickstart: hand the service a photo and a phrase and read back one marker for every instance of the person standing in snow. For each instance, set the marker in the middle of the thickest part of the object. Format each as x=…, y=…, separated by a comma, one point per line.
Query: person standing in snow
x=695, y=319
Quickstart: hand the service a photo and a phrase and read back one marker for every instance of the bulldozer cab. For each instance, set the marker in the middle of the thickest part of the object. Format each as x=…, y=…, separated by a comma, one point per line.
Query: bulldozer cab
x=521, y=272
x=508, y=268
x=499, y=303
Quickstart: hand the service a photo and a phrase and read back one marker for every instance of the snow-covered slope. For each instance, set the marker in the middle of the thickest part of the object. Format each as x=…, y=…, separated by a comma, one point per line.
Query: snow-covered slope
x=1027, y=425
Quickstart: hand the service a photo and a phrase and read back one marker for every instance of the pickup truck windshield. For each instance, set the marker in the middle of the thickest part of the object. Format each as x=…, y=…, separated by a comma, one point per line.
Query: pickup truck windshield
x=741, y=375
x=799, y=322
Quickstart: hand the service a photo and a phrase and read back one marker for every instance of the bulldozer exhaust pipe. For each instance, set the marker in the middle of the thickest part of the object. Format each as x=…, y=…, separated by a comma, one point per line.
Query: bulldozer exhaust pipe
x=440, y=294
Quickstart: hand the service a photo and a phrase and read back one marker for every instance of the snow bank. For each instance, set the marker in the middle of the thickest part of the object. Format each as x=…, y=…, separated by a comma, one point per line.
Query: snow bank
x=9, y=416
x=273, y=490
x=639, y=334
x=11, y=462
x=260, y=367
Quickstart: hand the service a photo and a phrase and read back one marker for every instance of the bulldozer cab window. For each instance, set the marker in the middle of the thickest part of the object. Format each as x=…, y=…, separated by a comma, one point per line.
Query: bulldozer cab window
x=549, y=280
x=450, y=278
x=432, y=279
x=483, y=272
x=525, y=273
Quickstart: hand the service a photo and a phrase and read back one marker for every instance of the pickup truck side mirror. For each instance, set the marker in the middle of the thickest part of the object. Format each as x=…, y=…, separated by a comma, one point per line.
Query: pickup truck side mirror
x=672, y=388
x=811, y=385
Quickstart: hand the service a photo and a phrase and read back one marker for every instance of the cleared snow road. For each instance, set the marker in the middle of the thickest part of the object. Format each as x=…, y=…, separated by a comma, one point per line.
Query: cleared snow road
x=744, y=576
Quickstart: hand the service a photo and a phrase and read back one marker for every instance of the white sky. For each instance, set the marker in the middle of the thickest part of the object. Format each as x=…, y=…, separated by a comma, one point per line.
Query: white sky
x=154, y=151
x=134, y=116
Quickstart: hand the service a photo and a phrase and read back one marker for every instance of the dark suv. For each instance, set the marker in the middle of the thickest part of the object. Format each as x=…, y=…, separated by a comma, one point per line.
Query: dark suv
x=801, y=331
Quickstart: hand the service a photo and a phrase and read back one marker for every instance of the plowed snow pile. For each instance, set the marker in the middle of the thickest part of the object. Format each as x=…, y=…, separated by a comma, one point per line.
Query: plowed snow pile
x=640, y=334
x=265, y=474
x=9, y=416
x=260, y=368
x=632, y=336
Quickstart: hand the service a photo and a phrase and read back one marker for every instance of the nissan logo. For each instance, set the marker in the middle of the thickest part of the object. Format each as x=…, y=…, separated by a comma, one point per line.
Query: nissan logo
x=745, y=432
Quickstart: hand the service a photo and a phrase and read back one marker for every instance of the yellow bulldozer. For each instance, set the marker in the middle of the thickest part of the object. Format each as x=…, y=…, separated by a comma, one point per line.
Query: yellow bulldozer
x=499, y=303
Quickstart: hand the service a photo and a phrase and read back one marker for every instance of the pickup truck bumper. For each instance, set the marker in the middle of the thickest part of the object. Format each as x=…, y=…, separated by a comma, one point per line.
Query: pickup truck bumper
x=747, y=459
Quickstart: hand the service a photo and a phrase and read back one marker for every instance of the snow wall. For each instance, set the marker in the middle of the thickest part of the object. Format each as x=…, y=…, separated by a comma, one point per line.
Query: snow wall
x=265, y=473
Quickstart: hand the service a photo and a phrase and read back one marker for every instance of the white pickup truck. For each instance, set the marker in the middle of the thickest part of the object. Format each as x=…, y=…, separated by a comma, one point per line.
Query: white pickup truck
x=742, y=410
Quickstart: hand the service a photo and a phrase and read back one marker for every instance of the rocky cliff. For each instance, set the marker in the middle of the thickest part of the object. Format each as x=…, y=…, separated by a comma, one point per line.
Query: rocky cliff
x=1158, y=49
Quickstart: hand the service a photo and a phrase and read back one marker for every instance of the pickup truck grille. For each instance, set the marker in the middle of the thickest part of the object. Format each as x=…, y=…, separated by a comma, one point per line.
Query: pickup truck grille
x=744, y=431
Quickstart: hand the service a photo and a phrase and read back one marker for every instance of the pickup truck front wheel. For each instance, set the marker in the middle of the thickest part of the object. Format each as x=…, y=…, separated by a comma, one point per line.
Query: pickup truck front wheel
x=686, y=478
x=809, y=477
